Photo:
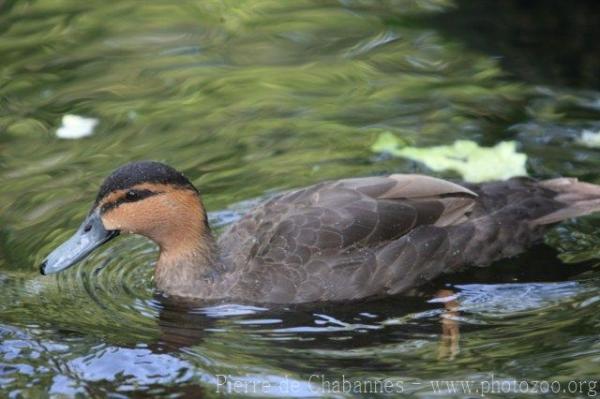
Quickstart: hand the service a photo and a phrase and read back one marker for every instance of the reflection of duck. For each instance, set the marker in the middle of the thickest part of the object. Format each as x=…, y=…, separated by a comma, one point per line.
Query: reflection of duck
x=334, y=241
x=449, y=345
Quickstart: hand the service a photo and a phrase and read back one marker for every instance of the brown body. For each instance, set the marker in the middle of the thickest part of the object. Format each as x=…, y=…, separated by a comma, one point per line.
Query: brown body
x=377, y=236
x=334, y=241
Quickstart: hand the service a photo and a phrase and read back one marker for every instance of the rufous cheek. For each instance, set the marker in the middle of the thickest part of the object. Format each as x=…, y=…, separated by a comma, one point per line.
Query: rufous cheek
x=124, y=218
x=110, y=222
x=137, y=217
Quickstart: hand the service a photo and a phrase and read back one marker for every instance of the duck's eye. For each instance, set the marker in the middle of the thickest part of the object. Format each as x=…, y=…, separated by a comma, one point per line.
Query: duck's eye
x=131, y=195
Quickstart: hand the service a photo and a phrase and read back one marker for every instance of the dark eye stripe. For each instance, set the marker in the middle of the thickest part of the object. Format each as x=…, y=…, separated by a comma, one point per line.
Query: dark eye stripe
x=130, y=196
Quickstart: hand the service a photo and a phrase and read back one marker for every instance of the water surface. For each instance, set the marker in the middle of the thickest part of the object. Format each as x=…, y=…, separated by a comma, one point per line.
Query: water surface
x=250, y=98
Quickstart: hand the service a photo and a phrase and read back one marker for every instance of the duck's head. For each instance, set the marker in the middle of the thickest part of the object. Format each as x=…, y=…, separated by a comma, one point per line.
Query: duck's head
x=146, y=198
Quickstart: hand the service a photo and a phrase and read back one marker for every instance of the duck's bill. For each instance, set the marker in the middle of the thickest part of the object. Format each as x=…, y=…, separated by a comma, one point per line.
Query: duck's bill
x=90, y=235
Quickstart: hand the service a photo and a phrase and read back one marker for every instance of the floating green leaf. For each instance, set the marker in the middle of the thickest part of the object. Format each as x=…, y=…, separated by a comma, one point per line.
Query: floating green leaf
x=473, y=162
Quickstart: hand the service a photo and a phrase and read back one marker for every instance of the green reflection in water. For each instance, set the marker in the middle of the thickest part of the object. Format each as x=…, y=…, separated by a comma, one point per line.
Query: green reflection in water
x=249, y=98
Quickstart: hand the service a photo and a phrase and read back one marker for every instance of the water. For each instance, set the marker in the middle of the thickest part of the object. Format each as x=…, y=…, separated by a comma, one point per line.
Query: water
x=249, y=98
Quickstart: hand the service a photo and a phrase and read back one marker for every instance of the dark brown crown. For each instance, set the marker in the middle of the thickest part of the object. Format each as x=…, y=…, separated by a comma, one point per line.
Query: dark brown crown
x=135, y=173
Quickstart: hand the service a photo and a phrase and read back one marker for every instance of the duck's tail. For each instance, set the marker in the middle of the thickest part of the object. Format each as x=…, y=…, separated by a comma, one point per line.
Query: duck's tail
x=580, y=199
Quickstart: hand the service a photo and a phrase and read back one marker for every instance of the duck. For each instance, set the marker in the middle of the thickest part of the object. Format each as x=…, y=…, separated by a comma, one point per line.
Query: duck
x=335, y=241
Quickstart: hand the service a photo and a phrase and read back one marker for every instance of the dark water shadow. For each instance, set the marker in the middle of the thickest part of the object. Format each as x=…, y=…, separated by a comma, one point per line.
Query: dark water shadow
x=541, y=42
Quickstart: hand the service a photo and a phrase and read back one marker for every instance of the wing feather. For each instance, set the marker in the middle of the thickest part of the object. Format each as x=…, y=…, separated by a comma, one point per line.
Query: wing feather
x=339, y=229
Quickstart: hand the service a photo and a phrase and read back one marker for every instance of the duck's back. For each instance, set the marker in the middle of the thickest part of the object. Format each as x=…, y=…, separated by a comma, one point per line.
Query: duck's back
x=363, y=237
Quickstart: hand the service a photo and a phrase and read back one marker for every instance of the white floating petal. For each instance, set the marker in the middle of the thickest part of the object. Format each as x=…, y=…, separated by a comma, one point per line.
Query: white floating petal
x=590, y=139
x=76, y=127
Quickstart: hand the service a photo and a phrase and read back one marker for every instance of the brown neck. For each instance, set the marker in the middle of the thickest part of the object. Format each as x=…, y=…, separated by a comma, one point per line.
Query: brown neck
x=185, y=268
x=188, y=254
